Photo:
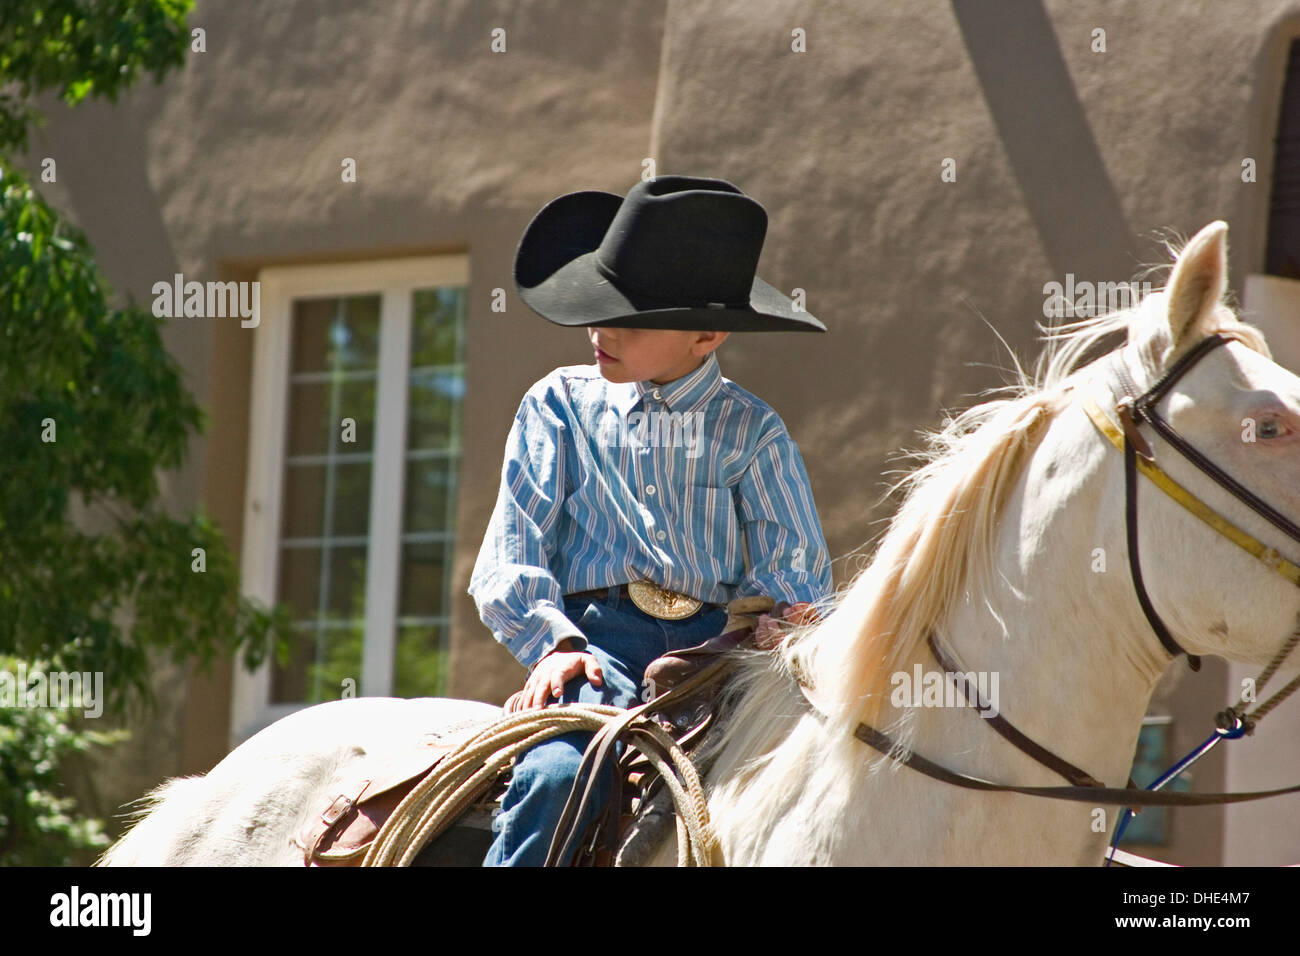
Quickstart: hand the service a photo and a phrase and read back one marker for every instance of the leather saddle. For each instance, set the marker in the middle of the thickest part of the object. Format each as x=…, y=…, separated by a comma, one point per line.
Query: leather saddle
x=368, y=793
x=364, y=799
x=676, y=667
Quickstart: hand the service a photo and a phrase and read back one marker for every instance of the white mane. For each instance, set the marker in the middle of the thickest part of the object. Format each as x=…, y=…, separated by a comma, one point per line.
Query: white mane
x=939, y=548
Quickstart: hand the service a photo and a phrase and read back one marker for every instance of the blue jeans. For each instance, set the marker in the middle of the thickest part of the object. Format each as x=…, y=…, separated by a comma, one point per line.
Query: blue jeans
x=624, y=640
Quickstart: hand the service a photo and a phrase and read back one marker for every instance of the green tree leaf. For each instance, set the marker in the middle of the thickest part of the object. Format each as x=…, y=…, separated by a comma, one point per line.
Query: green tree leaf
x=94, y=575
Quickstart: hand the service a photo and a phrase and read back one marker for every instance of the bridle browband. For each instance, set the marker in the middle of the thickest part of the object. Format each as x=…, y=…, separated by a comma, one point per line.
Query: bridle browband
x=1144, y=409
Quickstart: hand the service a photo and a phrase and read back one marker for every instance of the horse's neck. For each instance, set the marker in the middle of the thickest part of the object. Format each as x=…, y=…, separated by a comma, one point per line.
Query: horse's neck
x=1075, y=665
x=1060, y=627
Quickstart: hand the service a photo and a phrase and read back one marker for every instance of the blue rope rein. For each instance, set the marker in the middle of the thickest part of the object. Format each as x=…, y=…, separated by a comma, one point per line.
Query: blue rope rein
x=1237, y=729
x=1231, y=723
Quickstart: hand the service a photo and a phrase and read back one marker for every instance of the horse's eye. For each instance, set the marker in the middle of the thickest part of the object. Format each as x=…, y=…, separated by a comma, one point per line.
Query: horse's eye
x=1271, y=428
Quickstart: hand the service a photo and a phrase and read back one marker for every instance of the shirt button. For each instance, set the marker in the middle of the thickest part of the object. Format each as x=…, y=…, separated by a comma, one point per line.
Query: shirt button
x=661, y=535
x=649, y=489
x=657, y=396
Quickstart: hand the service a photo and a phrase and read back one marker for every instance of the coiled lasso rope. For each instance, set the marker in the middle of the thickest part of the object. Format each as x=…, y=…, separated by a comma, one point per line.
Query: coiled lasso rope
x=463, y=775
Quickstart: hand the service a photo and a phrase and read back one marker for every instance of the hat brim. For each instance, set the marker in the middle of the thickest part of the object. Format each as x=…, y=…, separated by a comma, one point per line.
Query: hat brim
x=557, y=278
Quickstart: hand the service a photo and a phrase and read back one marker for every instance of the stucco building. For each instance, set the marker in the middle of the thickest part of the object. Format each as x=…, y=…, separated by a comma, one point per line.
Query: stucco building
x=925, y=166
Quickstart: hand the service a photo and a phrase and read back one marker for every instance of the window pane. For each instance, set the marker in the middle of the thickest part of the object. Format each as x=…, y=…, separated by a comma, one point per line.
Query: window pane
x=326, y=499
x=436, y=326
x=289, y=684
x=317, y=411
x=434, y=410
x=320, y=660
x=346, y=586
x=336, y=334
x=326, y=587
x=419, y=664
x=336, y=572
x=422, y=580
x=305, y=497
x=300, y=580
x=436, y=389
x=430, y=487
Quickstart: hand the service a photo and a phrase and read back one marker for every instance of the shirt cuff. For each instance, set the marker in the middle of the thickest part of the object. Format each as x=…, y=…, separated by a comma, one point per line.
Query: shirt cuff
x=546, y=626
x=792, y=588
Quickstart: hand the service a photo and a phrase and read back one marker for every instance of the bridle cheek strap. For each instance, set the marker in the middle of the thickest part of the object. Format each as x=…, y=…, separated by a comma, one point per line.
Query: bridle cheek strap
x=1135, y=560
x=1132, y=410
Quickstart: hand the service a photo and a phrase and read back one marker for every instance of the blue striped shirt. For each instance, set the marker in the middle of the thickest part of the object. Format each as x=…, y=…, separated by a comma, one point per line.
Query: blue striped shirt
x=694, y=484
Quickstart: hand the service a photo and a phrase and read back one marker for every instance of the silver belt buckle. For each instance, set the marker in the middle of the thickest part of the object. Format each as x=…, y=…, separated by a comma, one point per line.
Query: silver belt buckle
x=660, y=602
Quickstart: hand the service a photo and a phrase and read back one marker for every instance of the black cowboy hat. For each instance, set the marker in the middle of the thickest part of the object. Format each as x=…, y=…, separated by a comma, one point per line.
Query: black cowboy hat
x=677, y=253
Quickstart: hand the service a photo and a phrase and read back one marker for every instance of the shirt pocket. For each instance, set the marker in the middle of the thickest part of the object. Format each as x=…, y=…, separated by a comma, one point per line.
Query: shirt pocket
x=714, y=530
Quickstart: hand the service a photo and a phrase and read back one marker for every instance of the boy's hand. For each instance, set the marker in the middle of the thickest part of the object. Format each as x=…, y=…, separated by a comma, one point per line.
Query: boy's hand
x=551, y=674
x=769, y=632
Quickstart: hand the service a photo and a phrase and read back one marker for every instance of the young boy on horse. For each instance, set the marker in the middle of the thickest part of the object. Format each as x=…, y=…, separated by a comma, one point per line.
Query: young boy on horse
x=642, y=493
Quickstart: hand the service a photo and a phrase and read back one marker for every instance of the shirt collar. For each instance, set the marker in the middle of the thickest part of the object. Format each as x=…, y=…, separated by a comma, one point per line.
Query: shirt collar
x=686, y=393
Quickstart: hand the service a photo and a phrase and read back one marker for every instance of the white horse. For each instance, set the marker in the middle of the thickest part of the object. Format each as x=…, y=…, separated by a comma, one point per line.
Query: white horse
x=1010, y=546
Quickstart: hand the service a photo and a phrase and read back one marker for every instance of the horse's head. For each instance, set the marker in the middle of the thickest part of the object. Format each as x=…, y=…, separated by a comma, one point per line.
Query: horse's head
x=999, y=529
x=1241, y=412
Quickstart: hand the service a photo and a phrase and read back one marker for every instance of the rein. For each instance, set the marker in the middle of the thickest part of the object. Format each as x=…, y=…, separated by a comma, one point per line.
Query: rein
x=888, y=746
x=1079, y=793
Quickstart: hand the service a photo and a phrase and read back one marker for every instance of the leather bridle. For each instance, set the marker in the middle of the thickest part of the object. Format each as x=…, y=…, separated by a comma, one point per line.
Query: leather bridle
x=1133, y=410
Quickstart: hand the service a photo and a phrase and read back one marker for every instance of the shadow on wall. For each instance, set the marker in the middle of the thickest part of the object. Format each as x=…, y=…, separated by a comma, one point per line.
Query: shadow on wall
x=1049, y=143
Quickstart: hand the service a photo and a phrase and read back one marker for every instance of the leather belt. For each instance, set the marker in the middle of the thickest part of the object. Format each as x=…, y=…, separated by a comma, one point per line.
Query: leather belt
x=656, y=601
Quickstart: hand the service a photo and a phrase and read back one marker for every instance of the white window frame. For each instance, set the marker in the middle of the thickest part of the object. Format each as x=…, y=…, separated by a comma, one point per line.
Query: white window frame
x=394, y=280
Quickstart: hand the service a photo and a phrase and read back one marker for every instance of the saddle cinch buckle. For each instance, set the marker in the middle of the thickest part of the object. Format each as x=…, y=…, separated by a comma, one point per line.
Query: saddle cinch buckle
x=660, y=602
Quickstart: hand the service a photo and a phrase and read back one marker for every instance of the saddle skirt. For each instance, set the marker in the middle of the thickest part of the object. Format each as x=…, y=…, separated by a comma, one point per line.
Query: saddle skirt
x=365, y=793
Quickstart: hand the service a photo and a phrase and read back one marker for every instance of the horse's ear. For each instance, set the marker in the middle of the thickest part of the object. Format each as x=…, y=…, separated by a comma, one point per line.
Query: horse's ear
x=1197, y=285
